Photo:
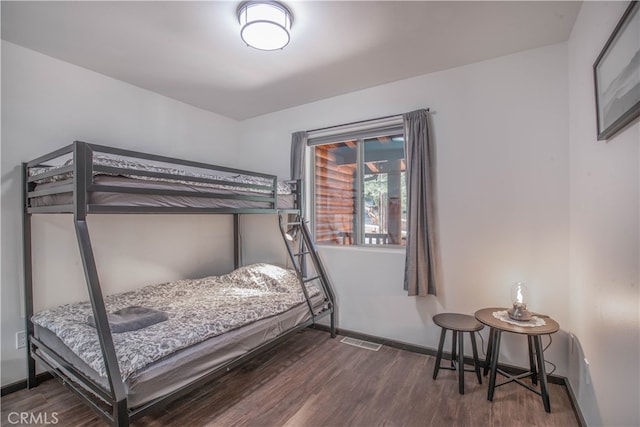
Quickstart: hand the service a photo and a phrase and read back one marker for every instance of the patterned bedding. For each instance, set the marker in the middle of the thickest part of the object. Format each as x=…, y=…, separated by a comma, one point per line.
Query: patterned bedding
x=133, y=165
x=197, y=309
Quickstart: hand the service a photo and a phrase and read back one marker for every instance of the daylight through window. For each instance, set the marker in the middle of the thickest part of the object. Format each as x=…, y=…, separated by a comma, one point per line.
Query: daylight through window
x=360, y=192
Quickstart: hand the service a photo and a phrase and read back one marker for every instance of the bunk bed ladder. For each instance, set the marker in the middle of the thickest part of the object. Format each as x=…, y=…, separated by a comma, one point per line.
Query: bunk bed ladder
x=300, y=247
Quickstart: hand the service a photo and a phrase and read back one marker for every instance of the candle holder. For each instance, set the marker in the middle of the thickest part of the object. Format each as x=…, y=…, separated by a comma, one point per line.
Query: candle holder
x=519, y=312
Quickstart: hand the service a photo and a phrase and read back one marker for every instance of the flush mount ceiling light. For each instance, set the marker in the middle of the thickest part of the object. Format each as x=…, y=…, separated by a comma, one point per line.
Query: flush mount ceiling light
x=265, y=24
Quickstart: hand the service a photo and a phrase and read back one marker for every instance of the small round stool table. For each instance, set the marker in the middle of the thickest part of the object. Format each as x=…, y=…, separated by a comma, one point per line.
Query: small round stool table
x=457, y=323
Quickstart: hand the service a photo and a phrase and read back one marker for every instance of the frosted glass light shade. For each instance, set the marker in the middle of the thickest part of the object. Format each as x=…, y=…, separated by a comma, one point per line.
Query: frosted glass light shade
x=519, y=293
x=519, y=297
x=265, y=24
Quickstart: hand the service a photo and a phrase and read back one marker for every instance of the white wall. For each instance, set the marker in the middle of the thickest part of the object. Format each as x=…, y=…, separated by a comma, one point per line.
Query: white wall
x=47, y=104
x=605, y=239
x=501, y=132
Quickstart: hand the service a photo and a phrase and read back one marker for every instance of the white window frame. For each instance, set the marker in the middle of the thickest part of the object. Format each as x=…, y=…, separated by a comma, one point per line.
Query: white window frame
x=359, y=132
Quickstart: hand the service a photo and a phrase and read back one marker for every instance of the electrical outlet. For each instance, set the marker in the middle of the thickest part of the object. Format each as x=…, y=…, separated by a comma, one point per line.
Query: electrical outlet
x=21, y=339
x=587, y=374
x=571, y=343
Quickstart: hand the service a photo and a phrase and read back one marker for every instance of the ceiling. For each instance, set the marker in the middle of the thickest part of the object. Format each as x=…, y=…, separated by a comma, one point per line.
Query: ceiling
x=191, y=50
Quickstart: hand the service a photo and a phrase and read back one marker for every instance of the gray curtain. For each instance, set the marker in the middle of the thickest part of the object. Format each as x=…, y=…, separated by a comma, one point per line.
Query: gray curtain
x=298, y=146
x=421, y=273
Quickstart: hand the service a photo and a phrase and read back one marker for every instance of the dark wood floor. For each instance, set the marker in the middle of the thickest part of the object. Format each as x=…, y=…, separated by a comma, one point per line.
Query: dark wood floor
x=313, y=380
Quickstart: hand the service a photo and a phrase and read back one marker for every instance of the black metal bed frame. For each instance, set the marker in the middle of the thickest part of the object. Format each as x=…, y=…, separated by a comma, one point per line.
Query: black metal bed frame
x=112, y=404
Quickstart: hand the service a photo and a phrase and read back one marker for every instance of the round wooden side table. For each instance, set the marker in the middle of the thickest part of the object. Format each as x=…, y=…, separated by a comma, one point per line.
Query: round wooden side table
x=536, y=353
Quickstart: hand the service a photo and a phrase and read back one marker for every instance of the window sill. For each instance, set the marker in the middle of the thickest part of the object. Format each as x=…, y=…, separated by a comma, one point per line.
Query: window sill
x=364, y=248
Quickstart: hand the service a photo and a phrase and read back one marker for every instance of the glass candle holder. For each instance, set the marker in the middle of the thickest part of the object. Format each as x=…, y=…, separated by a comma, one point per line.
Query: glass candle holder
x=519, y=296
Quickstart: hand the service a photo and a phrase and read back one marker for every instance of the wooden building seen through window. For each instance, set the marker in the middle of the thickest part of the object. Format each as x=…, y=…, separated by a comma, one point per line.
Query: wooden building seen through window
x=359, y=191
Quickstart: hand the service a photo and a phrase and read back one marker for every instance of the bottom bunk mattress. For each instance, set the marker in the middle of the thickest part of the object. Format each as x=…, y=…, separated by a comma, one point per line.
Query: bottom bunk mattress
x=201, y=331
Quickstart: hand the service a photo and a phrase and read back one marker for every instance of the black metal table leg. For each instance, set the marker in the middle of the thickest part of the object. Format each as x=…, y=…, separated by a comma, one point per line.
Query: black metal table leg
x=460, y=363
x=487, y=362
x=543, y=374
x=495, y=352
x=443, y=333
x=476, y=364
x=454, y=345
x=532, y=360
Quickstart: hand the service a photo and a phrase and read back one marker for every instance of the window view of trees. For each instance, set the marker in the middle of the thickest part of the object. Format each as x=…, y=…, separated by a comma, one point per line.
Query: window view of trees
x=360, y=192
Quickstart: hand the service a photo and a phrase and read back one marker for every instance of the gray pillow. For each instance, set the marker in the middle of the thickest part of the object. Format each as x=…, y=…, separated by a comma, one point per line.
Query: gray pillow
x=132, y=318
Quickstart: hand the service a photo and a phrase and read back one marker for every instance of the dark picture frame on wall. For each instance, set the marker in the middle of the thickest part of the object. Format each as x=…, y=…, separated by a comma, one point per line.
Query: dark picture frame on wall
x=617, y=76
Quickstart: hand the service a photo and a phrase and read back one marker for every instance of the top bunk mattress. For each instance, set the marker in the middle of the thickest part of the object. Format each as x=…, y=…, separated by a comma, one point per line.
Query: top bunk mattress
x=120, y=179
x=155, y=198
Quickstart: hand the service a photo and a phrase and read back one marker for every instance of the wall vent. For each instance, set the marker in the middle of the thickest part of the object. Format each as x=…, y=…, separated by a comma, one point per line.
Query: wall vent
x=362, y=344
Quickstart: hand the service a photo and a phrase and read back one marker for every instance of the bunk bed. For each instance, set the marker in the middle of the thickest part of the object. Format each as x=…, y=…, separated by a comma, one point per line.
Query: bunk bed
x=185, y=332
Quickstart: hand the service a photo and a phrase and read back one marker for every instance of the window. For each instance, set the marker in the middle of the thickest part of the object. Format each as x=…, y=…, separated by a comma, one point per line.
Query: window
x=359, y=191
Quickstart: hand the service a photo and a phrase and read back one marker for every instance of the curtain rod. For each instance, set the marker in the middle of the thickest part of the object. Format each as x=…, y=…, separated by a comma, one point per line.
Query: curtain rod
x=358, y=122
